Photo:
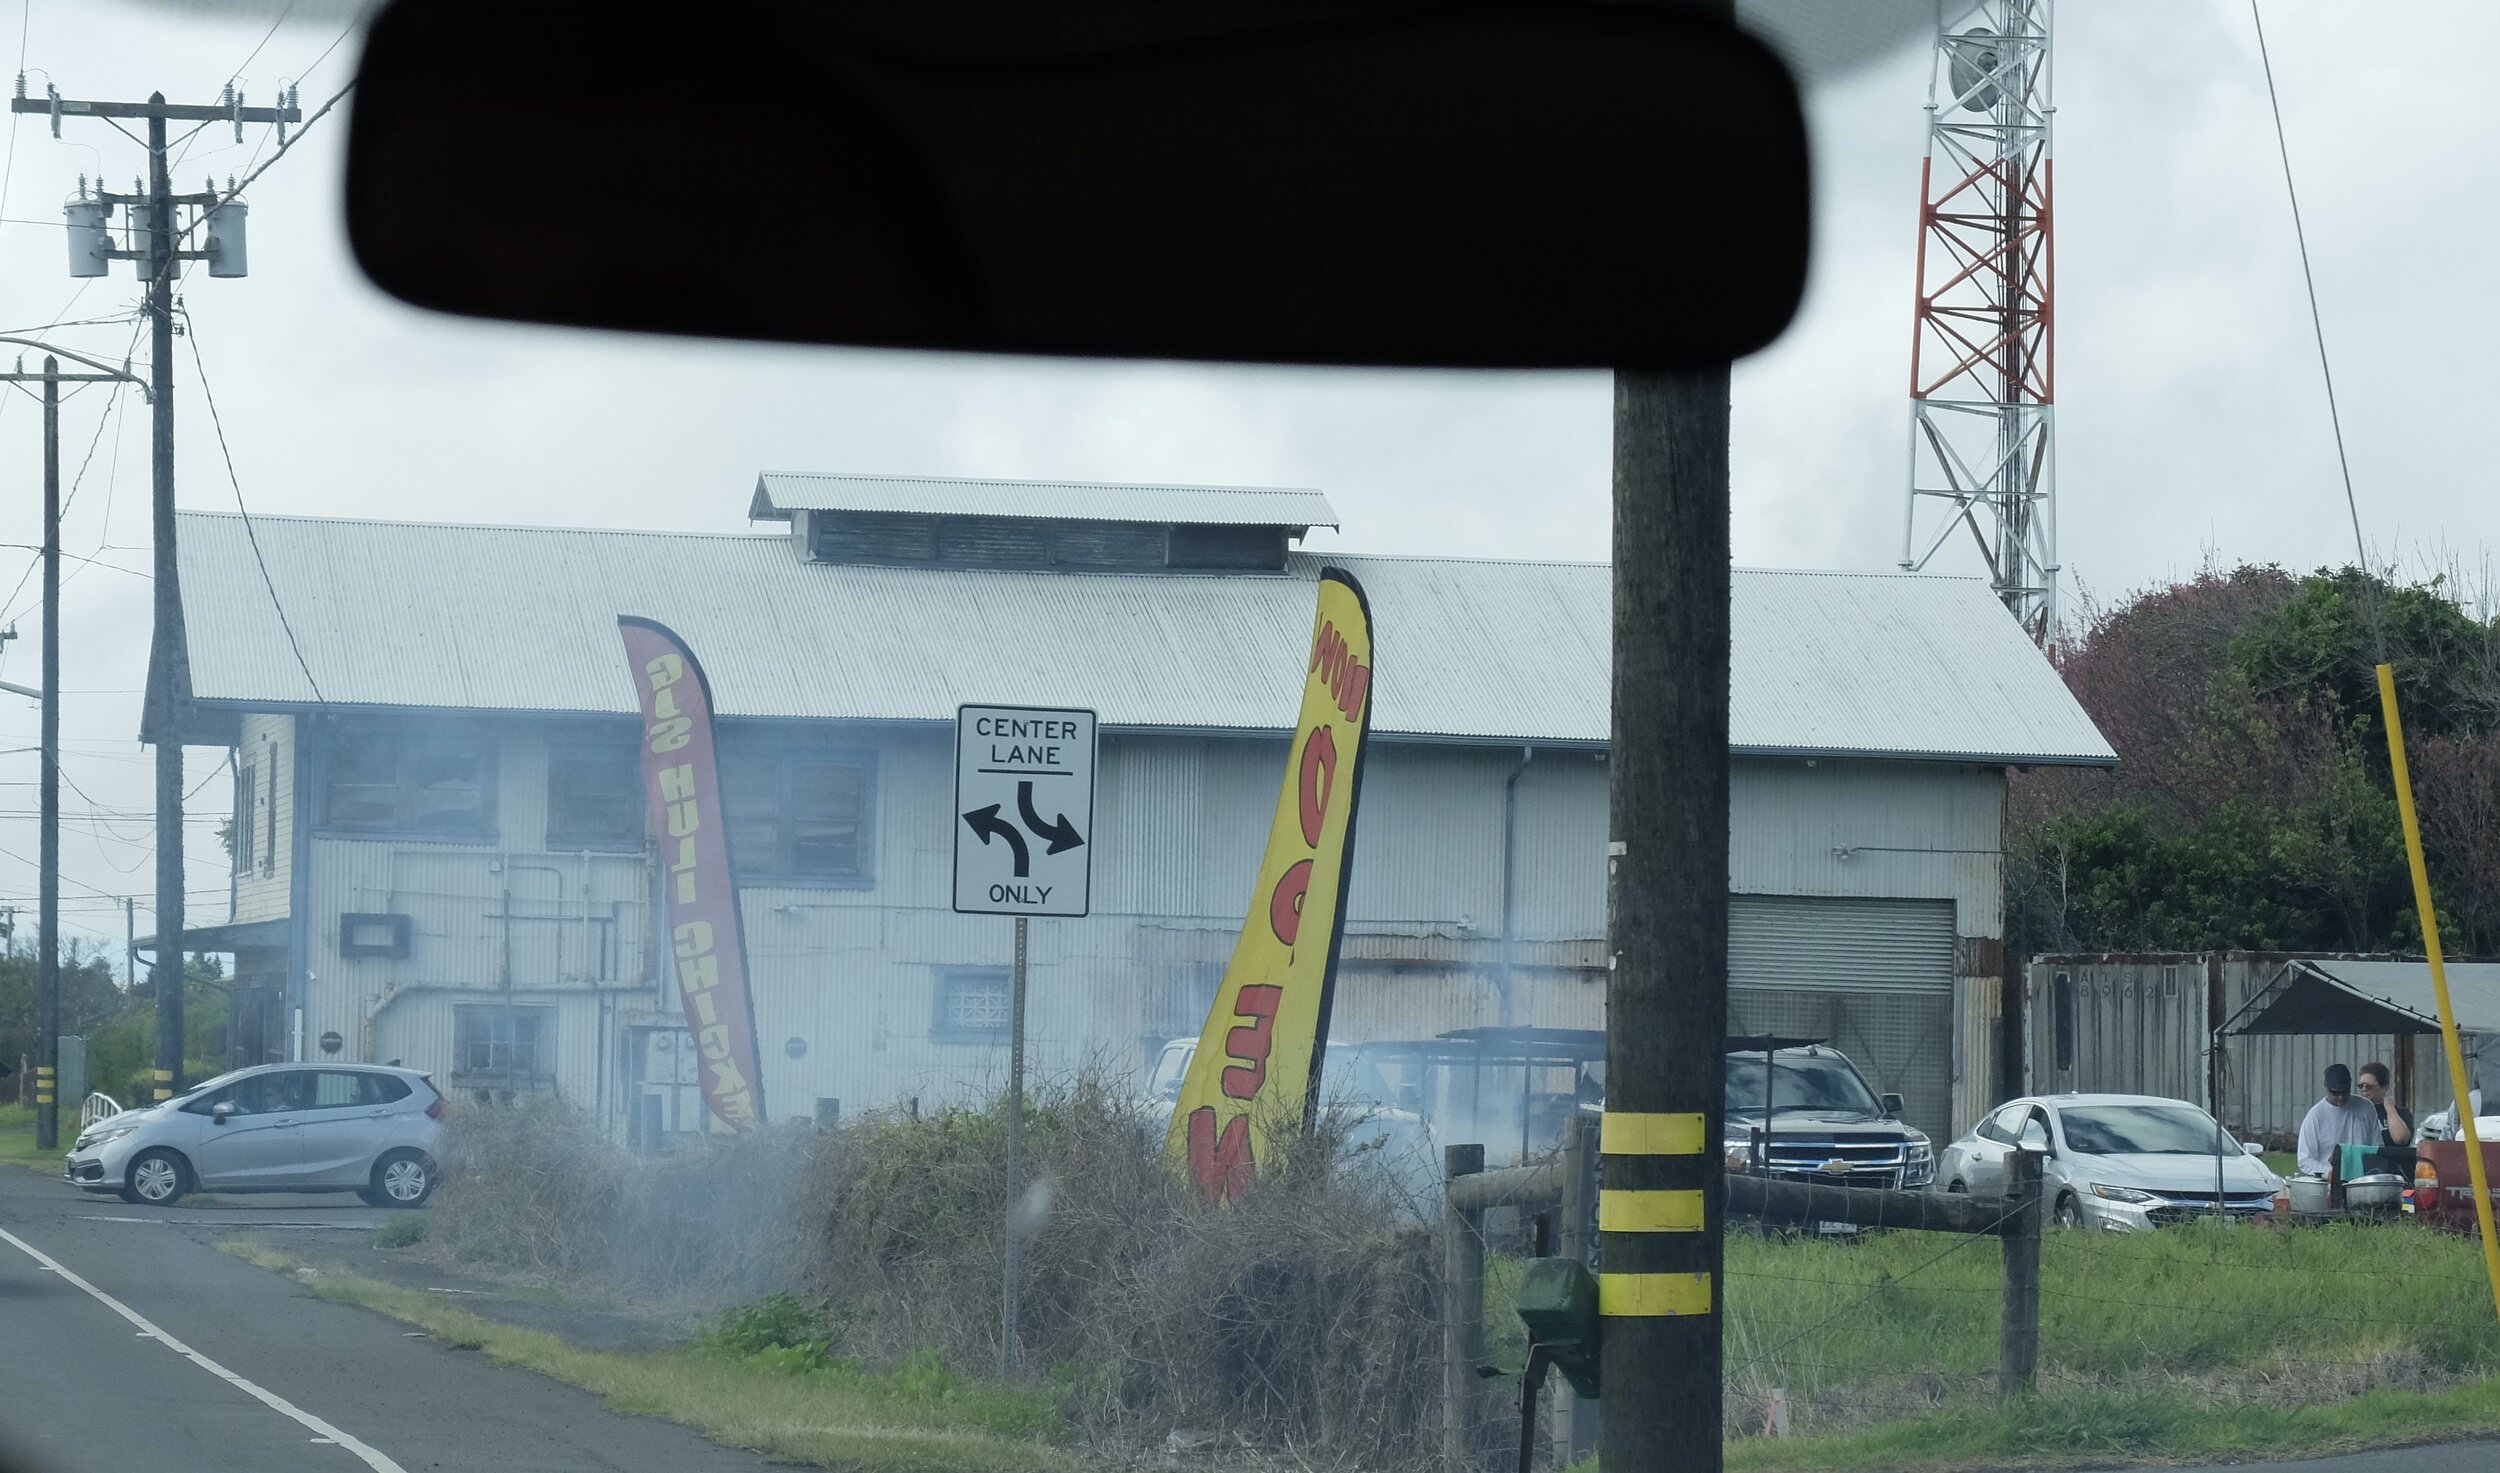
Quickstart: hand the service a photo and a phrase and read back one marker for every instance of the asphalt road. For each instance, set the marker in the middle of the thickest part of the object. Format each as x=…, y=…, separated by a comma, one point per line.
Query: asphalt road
x=204, y=1362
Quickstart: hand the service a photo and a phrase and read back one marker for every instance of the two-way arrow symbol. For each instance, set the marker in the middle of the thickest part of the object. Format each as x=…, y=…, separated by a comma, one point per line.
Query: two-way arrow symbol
x=986, y=822
x=1061, y=834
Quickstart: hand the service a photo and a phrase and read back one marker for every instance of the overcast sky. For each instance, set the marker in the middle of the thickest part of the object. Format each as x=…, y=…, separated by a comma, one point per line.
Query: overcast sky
x=2190, y=417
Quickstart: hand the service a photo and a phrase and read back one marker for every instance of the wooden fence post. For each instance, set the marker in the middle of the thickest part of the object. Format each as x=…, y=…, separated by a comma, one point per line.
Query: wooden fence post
x=1462, y=1311
x=1575, y=1416
x=2018, y=1343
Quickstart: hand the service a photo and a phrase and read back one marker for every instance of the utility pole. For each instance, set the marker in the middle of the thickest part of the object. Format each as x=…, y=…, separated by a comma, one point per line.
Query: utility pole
x=130, y=943
x=48, y=889
x=1661, y=1231
x=156, y=250
x=48, y=865
x=1662, y=1193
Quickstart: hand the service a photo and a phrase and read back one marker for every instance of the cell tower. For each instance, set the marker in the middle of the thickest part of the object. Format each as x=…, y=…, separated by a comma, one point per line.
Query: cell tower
x=1983, y=443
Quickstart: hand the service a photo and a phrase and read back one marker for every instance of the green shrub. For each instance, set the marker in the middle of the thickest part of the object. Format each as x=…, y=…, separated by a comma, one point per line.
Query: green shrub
x=779, y=1321
x=400, y=1230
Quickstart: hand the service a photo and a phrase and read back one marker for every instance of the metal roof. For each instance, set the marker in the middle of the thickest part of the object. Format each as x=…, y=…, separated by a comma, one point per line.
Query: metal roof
x=2334, y=995
x=524, y=619
x=777, y=495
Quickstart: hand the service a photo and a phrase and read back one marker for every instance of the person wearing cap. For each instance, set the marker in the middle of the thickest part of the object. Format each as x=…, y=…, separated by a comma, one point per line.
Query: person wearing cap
x=2333, y=1121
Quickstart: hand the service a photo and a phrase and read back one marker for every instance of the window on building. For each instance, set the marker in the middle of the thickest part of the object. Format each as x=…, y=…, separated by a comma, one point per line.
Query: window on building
x=594, y=797
x=244, y=828
x=972, y=1004
x=412, y=781
x=516, y=1043
x=796, y=815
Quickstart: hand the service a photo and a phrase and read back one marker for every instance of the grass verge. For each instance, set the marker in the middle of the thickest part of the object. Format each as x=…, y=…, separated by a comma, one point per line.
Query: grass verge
x=17, y=1148
x=878, y=1423
x=2176, y=1345
x=2102, y=1428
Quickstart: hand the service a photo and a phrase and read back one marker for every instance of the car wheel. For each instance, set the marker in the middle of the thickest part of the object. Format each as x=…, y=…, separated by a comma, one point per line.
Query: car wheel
x=156, y=1179
x=401, y=1179
x=2069, y=1212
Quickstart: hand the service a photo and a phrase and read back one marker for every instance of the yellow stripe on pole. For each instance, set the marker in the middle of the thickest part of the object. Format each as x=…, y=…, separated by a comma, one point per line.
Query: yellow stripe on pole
x=1648, y=1212
x=2439, y=978
x=1650, y=1296
x=1630, y=1133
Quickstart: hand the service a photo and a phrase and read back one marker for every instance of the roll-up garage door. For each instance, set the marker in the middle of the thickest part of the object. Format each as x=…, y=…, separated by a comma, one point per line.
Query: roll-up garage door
x=1872, y=977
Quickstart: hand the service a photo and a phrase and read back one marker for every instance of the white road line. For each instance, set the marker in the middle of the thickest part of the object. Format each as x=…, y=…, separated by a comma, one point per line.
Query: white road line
x=376, y=1460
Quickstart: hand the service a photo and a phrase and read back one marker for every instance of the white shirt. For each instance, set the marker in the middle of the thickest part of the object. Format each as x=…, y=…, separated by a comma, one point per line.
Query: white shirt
x=2328, y=1125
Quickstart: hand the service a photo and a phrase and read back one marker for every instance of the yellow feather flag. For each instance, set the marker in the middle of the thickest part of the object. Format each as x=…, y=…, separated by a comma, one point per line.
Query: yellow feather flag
x=1255, y=1076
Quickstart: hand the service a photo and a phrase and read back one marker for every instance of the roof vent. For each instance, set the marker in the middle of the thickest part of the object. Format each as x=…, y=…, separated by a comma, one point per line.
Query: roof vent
x=1059, y=527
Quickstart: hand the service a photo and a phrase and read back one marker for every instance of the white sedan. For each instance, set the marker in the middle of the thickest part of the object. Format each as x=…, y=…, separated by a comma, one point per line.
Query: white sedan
x=2126, y=1163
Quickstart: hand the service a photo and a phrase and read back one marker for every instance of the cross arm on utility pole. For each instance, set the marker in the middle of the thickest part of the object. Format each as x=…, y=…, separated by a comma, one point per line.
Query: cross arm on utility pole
x=179, y=112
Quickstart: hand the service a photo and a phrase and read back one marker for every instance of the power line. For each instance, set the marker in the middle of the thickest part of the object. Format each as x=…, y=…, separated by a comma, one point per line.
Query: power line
x=293, y=139
x=2317, y=324
x=249, y=535
x=8, y=173
x=35, y=561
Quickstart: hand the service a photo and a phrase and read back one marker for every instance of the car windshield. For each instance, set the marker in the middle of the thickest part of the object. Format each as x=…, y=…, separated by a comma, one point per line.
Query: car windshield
x=204, y=1086
x=2142, y=1130
x=1802, y=1082
x=591, y=724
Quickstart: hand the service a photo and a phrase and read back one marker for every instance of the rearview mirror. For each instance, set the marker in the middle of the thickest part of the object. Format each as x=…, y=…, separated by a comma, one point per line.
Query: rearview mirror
x=222, y=1111
x=2252, y=1148
x=1891, y=1103
x=1522, y=183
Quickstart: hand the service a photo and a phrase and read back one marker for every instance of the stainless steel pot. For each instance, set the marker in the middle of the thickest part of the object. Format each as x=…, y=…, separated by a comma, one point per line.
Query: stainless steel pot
x=2309, y=1194
x=2380, y=1189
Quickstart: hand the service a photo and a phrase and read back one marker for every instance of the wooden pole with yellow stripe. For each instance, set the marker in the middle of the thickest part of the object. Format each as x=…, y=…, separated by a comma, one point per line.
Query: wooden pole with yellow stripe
x=1662, y=1188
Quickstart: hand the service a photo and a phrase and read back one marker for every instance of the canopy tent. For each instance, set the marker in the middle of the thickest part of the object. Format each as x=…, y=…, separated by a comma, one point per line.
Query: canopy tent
x=2319, y=995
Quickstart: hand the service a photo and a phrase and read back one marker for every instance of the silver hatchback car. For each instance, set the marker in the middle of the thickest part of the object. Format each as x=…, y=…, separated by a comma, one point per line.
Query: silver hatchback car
x=359, y=1128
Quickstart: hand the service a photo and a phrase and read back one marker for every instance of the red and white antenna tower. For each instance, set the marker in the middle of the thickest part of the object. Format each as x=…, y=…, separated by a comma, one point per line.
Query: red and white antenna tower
x=1983, y=444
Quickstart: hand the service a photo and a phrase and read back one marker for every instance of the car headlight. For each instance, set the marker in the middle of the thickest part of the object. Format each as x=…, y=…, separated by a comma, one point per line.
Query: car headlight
x=1738, y=1155
x=1921, y=1148
x=2122, y=1194
x=103, y=1137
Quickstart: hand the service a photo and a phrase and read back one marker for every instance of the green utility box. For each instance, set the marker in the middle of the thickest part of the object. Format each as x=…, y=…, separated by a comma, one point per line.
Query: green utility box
x=1558, y=1304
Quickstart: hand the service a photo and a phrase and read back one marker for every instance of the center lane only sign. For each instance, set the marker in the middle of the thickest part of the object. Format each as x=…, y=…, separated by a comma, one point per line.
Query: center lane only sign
x=1024, y=806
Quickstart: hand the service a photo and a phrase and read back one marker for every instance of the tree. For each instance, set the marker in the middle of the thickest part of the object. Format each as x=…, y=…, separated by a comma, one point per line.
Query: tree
x=2254, y=806
x=88, y=997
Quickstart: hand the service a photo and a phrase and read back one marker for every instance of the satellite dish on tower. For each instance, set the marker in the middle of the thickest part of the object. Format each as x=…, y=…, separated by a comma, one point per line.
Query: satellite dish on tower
x=1975, y=59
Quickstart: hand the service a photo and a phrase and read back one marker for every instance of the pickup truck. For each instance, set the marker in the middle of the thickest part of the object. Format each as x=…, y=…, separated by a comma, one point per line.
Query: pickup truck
x=1804, y=1110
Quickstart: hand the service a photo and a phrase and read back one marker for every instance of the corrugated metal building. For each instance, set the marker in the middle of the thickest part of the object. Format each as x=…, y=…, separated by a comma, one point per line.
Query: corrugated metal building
x=446, y=865
x=2145, y=1023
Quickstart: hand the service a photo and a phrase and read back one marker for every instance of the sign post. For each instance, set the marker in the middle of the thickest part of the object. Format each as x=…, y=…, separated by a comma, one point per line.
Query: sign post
x=1024, y=790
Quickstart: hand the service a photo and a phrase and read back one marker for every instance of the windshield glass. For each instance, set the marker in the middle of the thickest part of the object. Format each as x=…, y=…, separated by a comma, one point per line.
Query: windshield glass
x=736, y=965
x=1802, y=1082
x=2146, y=1130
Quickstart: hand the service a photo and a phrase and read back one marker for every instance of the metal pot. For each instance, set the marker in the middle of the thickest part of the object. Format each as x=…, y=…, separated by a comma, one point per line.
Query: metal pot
x=2310, y=1194
x=2380, y=1189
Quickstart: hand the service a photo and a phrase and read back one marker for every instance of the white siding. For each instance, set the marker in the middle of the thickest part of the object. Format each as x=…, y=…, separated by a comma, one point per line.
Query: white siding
x=1906, y=829
x=845, y=978
x=267, y=745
